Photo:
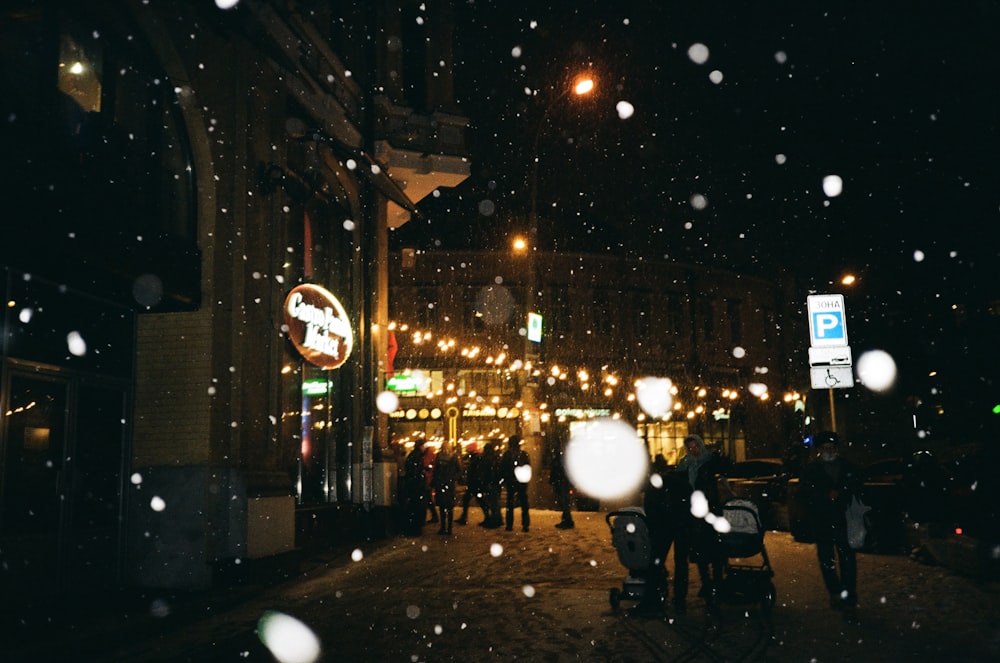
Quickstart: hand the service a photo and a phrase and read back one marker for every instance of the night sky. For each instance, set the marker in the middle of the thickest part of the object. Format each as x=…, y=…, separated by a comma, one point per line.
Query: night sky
x=900, y=100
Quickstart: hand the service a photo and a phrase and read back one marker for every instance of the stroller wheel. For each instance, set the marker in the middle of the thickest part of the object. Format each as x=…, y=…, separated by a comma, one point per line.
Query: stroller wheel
x=615, y=598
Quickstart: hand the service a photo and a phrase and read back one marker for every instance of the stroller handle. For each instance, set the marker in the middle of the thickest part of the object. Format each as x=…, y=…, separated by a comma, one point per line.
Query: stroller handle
x=627, y=511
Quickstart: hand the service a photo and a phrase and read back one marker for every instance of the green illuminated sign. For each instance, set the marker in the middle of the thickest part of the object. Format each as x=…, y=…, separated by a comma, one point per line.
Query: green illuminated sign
x=402, y=384
x=314, y=387
x=535, y=327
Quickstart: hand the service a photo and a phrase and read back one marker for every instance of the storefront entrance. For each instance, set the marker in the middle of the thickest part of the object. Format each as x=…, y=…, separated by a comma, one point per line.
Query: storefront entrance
x=63, y=450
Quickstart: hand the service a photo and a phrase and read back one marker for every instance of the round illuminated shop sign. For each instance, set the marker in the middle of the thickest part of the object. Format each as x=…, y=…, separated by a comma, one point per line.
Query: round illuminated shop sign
x=318, y=326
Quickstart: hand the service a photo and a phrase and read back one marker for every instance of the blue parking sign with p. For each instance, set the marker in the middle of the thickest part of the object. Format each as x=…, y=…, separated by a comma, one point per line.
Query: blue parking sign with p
x=829, y=325
x=827, y=321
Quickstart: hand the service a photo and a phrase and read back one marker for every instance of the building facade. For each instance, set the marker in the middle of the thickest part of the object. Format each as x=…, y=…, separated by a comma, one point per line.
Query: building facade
x=610, y=327
x=172, y=175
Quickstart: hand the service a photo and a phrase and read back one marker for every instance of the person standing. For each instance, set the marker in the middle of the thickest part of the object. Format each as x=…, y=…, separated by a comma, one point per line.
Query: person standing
x=516, y=473
x=490, y=475
x=656, y=507
x=445, y=482
x=414, y=490
x=429, y=456
x=561, y=486
x=473, y=487
x=666, y=501
x=703, y=468
x=827, y=486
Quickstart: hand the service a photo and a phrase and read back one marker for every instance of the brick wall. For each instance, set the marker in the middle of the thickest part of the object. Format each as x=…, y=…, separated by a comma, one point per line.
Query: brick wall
x=173, y=402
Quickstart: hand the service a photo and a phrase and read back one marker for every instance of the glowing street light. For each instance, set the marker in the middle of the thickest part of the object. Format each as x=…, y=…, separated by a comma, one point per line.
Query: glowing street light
x=581, y=86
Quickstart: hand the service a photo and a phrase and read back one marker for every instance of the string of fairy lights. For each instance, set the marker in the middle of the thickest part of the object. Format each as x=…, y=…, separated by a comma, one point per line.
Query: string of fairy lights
x=687, y=401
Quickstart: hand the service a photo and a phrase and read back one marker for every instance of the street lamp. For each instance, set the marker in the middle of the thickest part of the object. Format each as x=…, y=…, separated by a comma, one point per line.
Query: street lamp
x=581, y=86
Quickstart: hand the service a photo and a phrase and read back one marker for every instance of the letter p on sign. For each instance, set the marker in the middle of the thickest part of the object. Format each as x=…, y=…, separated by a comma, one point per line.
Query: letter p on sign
x=828, y=325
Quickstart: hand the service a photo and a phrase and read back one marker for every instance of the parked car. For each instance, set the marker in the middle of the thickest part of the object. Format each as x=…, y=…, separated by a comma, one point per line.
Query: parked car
x=962, y=531
x=903, y=493
x=763, y=481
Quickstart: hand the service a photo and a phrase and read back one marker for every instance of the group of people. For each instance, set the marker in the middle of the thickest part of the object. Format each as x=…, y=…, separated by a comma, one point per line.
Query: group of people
x=431, y=481
x=827, y=486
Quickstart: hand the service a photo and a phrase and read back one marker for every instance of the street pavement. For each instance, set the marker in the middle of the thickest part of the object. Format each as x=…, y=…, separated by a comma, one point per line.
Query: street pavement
x=542, y=595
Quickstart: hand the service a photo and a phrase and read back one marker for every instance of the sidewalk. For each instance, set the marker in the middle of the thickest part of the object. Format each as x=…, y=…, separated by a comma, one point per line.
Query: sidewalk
x=492, y=595
x=81, y=627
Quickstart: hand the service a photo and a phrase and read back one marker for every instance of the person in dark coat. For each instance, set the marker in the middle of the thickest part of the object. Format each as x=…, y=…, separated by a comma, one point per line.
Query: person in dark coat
x=704, y=469
x=414, y=491
x=562, y=488
x=491, y=477
x=445, y=481
x=656, y=506
x=473, y=487
x=827, y=486
x=516, y=473
x=666, y=501
x=429, y=456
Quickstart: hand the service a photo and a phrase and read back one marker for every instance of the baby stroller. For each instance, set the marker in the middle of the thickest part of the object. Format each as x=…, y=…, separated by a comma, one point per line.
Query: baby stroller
x=631, y=539
x=745, y=581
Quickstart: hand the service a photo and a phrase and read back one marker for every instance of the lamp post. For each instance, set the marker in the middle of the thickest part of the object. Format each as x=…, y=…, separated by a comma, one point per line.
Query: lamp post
x=582, y=86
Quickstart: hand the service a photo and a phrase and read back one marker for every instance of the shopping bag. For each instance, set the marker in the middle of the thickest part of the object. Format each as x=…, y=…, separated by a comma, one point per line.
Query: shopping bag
x=857, y=529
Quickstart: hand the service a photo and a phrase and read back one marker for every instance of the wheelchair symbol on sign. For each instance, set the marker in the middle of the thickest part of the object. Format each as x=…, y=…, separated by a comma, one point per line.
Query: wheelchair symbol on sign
x=831, y=379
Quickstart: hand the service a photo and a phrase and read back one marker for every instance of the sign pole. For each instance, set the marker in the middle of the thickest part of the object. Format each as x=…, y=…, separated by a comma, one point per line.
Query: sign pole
x=833, y=415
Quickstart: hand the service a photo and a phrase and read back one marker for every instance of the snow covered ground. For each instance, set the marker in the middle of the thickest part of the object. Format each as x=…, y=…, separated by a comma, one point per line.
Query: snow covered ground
x=544, y=596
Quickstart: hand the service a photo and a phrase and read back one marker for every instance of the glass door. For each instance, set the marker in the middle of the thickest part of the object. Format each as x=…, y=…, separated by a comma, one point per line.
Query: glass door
x=61, y=484
x=32, y=481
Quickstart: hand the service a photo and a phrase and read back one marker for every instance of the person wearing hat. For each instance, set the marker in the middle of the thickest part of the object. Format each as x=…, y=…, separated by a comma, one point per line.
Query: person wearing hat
x=827, y=486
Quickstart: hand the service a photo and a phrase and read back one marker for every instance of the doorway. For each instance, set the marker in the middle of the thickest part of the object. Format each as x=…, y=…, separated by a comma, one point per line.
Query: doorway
x=63, y=454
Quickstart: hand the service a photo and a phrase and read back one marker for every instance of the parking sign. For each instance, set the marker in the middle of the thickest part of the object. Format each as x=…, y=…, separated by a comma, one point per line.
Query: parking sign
x=827, y=320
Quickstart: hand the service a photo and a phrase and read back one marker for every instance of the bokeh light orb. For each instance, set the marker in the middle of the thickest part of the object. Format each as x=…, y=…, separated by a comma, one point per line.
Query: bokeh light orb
x=833, y=186
x=653, y=395
x=877, y=370
x=288, y=639
x=699, y=504
x=495, y=304
x=147, y=290
x=522, y=473
x=698, y=53
x=387, y=402
x=606, y=459
x=77, y=346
